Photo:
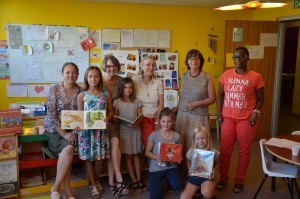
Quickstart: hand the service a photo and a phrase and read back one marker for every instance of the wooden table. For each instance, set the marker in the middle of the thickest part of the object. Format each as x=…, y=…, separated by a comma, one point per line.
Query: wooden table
x=284, y=153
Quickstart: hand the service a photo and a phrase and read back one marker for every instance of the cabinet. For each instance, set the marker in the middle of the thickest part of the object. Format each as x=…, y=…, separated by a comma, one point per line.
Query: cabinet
x=31, y=145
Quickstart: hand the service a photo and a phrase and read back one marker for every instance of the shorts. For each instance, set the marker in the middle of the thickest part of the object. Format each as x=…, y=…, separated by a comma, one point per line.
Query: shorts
x=56, y=142
x=197, y=181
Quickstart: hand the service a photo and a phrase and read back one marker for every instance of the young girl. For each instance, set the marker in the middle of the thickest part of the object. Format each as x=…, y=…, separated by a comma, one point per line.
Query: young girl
x=93, y=144
x=128, y=107
x=158, y=169
x=202, y=140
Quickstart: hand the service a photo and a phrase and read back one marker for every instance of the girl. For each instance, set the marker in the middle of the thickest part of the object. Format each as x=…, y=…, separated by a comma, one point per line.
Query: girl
x=201, y=140
x=128, y=107
x=158, y=170
x=93, y=144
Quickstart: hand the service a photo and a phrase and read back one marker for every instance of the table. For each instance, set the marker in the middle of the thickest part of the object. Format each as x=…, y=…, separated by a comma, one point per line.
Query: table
x=284, y=153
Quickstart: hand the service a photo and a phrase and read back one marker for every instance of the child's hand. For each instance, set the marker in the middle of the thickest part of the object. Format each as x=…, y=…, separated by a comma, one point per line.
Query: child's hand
x=116, y=119
x=132, y=126
x=105, y=120
x=76, y=130
x=212, y=176
x=158, y=158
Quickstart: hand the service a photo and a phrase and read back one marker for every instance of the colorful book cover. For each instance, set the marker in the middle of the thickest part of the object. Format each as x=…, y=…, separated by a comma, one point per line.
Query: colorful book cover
x=9, y=177
x=83, y=119
x=8, y=147
x=10, y=121
x=202, y=163
x=87, y=44
x=170, y=152
x=124, y=121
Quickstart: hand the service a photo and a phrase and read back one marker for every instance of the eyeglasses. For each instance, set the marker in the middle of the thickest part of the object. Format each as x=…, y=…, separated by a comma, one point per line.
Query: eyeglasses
x=111, y=66
x=239, y=57
x=194, y=59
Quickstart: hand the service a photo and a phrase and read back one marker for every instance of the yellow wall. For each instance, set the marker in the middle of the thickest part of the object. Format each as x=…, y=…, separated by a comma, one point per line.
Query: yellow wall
x=188, y=25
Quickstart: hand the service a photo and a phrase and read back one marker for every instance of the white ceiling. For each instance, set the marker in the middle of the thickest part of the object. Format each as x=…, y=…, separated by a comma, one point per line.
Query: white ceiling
x=193, y=3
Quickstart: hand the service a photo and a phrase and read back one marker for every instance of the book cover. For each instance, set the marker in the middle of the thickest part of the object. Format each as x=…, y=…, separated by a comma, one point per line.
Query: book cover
x=9, y=177
x=124, y=121
x=170, y=152
x=202, y=163
x=83, y=119
x=10, y=121
x=49, y=153
x=8, y=147
x=87, y=44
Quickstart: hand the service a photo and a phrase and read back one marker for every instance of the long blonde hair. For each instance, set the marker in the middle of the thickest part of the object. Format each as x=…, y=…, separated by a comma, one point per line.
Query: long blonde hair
x=206, y=133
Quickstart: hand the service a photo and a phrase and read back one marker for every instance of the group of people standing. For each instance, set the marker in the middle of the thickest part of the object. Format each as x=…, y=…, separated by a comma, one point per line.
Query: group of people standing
x=240, y=99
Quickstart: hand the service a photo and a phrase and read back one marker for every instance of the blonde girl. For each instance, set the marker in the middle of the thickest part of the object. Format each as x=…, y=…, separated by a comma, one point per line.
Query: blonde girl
x=93, y=144
x=201, y=140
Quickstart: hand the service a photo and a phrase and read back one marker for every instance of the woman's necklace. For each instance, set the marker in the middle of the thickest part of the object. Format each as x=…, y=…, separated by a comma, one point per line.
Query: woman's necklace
x=242, y=74
x=195, y=75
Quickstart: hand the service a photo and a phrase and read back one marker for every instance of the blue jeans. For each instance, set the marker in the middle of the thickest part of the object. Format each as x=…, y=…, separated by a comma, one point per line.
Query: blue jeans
x=156, y=182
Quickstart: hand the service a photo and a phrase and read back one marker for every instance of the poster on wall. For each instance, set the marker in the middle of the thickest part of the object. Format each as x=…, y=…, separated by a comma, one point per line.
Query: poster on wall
x=129, y=61
x=166, y=68
x=8, y=177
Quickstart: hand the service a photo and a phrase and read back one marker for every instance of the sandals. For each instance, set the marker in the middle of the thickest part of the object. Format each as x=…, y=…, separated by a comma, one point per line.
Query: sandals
x=122, y=189
x=54, y=194
x=238, y=188
x=221, y=184
x=114, y=190
x=100, y=188
x=144, y=187
x=95, y=191
x=136, y=187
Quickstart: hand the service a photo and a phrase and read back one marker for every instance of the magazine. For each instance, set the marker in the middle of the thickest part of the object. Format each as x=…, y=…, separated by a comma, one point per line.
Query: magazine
x=170, y=152
x=83, y=119
x=124, y=121
x=202, y=163
x=10, y=121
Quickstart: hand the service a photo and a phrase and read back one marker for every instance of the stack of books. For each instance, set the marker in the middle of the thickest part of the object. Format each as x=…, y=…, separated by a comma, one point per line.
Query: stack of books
x=29, y=178
x=49, y=153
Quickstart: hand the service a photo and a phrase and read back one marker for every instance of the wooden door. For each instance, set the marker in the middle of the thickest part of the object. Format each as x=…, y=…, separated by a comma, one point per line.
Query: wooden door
x=266, y=66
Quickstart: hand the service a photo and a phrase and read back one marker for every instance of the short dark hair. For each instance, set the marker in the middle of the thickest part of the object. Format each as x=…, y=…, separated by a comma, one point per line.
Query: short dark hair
x=125, y=81
x=167, y=112
x=194, y=53
x=242, y=48
x=69, y=63
x=113, y=59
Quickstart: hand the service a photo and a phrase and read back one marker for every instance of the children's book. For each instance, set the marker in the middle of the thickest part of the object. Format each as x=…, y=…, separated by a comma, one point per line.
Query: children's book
x=170, y=152
x=10, y=121
x=8, y=147
x=83, y=119
x=8, y=177
x=49, y=153
x=202, y=163
x=124, y=121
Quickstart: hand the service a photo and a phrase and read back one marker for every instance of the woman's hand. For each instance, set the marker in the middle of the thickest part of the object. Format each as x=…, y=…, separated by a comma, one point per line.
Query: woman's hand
x=253, y=119
x=191, y=106
x=71, y=137
x=174, y=109
x=220, y=118
x=76, y=130
x=158, y=158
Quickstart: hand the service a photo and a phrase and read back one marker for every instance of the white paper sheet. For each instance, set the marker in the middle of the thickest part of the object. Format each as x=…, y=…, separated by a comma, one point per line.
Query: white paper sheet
x=66, y=41
x=37, y=33
x=164, y=38
x=83, y=64
x=38, y=90
x=13, y=78
x=151, y=38
x=139, y=37
x=281, y=142
x=256, y=52
x=16, y=90
x=268, y=39
x=37, y=50
x=56, y=57
x=170, y=98
x=111, y=35
x=53, y=75
x=126, y=37
x=33, y=69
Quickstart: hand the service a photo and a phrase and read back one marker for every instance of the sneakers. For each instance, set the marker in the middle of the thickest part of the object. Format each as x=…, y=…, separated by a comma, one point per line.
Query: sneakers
x=221, y=184
x=54, y=194
x=238, y=188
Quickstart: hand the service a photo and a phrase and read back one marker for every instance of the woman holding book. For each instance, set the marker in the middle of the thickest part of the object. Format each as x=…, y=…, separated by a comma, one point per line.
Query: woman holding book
x=112, y=83
x=149, y=90
x=62, y=97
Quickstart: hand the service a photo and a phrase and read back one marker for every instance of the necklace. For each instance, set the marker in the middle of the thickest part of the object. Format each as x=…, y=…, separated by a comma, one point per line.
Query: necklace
x=242, y=74
x=195, y=75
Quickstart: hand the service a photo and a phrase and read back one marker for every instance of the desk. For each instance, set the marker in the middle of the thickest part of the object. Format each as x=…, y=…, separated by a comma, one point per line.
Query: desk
x=284, y=153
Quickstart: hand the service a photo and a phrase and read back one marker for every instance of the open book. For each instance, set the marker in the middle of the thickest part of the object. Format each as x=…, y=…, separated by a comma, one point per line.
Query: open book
x=170, y=152
x=83, y=119
x=202, y=163
x=124, y=121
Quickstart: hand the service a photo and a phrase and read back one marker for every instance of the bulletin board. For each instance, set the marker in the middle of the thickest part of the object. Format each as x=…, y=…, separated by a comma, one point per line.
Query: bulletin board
x=37, y=53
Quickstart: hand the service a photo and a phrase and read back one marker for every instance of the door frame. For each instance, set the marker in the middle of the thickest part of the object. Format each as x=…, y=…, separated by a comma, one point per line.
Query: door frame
x=278, y=72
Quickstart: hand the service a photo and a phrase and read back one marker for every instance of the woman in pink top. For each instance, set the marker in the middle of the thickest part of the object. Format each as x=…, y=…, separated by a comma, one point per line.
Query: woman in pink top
x=240, y=99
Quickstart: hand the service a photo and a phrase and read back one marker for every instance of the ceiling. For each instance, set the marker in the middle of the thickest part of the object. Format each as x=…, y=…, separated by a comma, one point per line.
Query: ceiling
x=192, y=3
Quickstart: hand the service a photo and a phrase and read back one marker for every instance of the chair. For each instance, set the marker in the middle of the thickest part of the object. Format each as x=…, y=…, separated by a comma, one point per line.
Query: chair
x=274, y=169
x=296, y=133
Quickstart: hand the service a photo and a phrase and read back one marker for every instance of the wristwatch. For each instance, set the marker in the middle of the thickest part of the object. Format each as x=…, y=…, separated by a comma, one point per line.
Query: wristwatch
x=257, y=111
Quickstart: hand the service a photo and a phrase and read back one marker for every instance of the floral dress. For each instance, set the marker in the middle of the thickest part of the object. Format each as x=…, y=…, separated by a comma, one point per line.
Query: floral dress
x=93, y=144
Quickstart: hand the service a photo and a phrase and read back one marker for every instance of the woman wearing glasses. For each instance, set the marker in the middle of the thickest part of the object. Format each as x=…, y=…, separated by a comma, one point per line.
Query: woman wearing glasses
x=197, y=93
x=240, y=99
x=112, y=82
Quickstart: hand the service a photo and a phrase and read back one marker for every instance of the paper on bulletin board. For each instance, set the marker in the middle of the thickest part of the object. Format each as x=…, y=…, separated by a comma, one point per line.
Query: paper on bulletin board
x=66, y=41
x=126, y=37
x=53, y=75
x=151, y=38
x=164, y=38
x=268, y=39
x=139, y=37
x=33, y=69
x=96, y=36
x=111, y=35
x=16, y=90
x=38, y=90
x=110, y=46
x=256, y=52
x=37, y=33
x=82, y=63
x=229, y=60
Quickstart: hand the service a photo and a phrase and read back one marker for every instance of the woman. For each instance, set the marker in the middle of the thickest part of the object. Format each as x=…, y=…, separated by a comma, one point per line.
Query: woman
x=149, y=90
x=197, y=93
x=62, y=97
x=112, y=82
x=240, y=99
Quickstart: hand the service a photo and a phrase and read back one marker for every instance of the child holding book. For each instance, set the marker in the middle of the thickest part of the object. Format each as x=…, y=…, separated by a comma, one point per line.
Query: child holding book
x=93, y=144
x=202, y=141
x=160, y=170
x=129, y=108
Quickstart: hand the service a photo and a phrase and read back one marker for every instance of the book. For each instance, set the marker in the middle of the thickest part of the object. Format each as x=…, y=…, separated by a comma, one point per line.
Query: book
x=170, y=152
x=8, y=147
x=31, y=178
x=83, y=119
x=10, y=121
x=49, y=153
x=202, y=163
x=124, y=121
x=9, y=177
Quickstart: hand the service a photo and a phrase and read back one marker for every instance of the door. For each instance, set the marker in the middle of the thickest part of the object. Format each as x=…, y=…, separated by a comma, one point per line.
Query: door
x=266, y=66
